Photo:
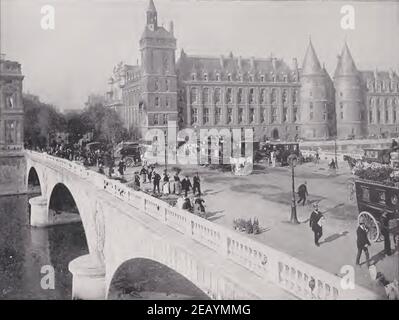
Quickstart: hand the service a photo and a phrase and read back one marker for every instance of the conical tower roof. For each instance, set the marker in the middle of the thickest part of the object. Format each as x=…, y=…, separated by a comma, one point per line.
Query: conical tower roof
x=311, y=64
x=151, y=6
x=346, y=65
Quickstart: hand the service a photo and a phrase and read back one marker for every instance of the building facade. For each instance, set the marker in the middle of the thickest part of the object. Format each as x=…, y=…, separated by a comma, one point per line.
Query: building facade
x=11, y=128
x=275, y=99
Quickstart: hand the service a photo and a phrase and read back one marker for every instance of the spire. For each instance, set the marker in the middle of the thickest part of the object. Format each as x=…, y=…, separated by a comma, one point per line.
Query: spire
x=311, y=64
x=152, y=15
x=151, y=7
x=346, y=65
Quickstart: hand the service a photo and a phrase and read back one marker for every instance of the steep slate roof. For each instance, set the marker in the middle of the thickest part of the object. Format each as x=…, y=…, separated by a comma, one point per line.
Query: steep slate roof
x=380, y=75
x=346, y=65
x=311, y=64
x=151, y=6
x=189, y=64
x=159, y=32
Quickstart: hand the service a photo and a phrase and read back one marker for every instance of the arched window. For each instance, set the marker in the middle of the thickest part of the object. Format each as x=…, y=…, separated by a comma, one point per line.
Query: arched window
x=205, y=77
x=251, y=96
x=167, y=85
x=228, y=95
x=239, y=96
x=156, y=101
x=273, y=96
x=262, y=96
x=217, y=95
x=156, y=85
x=229, y=77
x=193, y=95
x=284, y=97
x=205, y=95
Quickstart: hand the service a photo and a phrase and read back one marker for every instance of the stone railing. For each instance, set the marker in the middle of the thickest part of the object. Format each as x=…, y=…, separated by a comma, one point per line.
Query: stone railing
x=303, y=280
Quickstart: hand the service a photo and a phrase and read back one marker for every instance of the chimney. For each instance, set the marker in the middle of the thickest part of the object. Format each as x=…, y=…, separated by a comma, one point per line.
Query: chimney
x=295, y=64
x=240, y=62
x=274, y=63
x=222, y=61
x=252, y=63
x=171, y=28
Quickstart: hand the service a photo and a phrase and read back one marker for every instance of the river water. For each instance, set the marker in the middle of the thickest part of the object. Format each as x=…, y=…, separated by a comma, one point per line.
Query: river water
x=25, y=250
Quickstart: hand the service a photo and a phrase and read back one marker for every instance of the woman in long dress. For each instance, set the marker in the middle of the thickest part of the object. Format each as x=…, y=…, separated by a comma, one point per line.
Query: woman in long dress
x=177, y=184
x=165, y=186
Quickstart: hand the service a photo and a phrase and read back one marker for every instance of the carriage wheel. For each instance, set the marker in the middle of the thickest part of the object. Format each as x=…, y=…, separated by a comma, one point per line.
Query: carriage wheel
x=372, y=225
x=351, y=189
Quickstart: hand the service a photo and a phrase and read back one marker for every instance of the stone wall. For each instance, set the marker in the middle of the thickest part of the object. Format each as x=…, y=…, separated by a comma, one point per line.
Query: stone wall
x=12, y=173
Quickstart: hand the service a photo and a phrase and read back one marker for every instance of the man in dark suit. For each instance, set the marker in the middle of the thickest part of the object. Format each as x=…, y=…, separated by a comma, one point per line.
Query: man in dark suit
x=315, y=222
x=186, y=185
x=156, y=180
x=302, y=193
x=385, y=233
x=196, y=184
x=362, y=244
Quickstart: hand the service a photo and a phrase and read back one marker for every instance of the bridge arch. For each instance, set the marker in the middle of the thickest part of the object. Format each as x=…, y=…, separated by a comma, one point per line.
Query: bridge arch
x=33, y=181
x=144, y=278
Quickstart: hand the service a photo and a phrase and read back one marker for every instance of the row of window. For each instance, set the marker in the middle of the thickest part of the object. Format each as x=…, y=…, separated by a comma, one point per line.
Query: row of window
x=132, y=97
x=383, y=86
x=157, y=119
x=377, y=118
x=272, y=77
x=383, y=101
x=241, y=115
x=242, y=96
x=163, y=87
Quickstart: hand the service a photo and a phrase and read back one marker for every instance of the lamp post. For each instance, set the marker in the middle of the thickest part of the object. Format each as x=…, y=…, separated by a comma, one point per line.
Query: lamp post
x=335, y=152
x=292, y=160
x=166, y=154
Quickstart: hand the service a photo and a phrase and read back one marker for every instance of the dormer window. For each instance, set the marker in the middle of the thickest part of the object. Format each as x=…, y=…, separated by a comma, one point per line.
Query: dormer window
x=217, y=77
x=262, y=78
x=205, y=77
x=251, y=78
x=239, y=77
x=229, y=77
x=193, y=76
x=285, y=78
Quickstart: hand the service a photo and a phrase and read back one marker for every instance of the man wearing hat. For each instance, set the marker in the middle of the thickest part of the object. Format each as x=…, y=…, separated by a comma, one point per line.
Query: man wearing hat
x=385, y=233
x=315, y=222
x=362, y=243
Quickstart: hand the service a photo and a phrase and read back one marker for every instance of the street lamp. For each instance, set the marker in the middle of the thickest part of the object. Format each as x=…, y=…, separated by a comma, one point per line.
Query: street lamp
x=166, y=154
x=335, y=152
x=292, y=160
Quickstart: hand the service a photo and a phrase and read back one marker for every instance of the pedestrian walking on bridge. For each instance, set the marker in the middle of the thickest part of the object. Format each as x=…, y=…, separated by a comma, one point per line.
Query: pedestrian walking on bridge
x=362, y=244
x=302, y=193
x=316, y=223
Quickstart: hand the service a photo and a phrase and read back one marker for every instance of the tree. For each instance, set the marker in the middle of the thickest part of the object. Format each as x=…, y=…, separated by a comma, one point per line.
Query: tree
x=42, y=121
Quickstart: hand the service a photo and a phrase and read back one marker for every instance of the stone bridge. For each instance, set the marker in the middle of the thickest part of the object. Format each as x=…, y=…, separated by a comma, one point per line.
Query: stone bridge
x=122, y=225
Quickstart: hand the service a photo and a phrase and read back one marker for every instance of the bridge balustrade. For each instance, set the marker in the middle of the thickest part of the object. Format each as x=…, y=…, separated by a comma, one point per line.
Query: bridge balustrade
x=301, y=279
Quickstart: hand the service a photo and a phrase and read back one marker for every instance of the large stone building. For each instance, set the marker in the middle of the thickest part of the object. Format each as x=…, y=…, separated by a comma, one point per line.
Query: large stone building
x=11, y=128
x=276, y=100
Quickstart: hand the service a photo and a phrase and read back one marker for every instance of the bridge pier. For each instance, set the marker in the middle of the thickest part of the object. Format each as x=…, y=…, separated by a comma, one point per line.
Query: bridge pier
x=39, y=212
x=88, y=282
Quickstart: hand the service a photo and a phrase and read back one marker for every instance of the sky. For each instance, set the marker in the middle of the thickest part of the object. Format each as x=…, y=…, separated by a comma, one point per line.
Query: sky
x=63, y=66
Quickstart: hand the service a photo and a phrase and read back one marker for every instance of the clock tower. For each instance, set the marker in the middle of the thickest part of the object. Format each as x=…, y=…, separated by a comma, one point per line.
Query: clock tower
x=159, y=83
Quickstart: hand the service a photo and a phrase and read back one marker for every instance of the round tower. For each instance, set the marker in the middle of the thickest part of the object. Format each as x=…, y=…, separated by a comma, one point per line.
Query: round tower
x=314, y=98
x=349, y=106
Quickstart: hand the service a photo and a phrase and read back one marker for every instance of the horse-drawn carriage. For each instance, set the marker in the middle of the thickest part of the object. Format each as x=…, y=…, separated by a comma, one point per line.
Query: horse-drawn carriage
x=374, y=198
